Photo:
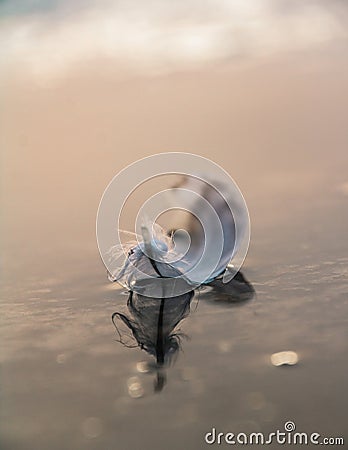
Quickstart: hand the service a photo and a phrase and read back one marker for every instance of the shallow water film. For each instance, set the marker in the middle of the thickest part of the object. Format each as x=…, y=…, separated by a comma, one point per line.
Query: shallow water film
x=261, y=89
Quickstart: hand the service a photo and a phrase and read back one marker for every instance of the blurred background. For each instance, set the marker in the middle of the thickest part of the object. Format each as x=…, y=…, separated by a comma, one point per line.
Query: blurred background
x=258, y=86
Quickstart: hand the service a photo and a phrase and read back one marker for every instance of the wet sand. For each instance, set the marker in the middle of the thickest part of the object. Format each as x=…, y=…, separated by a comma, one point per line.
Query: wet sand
x=278, y=127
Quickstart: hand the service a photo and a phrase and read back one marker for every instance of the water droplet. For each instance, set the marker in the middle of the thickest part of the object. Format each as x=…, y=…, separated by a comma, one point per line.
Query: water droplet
x=224, y=346
x=135, y=388
x=61, y=358
x=288, y=358
x=92, y=427
x=143, y=367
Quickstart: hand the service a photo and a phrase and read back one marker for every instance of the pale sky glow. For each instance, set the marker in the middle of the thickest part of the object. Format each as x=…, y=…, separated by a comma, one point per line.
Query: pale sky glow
x=160, y=37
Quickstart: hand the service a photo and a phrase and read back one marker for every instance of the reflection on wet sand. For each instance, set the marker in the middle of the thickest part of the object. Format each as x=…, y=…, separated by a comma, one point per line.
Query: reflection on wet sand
x=152, y=324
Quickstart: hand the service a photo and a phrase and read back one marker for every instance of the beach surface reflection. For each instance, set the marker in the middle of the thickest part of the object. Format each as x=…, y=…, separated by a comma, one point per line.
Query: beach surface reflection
x=277, y=125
